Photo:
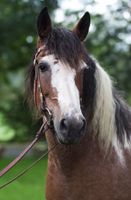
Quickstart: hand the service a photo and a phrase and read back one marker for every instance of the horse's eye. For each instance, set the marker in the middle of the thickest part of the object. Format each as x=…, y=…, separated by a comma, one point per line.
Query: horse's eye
x=44, y=67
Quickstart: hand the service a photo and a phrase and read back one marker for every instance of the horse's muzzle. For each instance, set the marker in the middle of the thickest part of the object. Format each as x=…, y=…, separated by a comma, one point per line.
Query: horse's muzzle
x=71, y=129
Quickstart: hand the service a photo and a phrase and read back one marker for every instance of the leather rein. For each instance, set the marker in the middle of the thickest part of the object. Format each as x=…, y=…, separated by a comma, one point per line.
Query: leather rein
x=47, y=124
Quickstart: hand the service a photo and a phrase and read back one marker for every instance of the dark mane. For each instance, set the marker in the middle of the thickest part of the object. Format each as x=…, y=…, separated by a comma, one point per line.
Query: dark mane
x=123, y=118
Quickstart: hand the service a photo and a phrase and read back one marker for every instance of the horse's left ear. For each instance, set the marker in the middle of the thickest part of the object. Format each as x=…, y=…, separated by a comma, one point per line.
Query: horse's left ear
x=44, y=24
x=82, y=28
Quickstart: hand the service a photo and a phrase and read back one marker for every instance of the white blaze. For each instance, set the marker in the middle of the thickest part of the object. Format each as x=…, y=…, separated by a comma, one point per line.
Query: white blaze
x=63, y=80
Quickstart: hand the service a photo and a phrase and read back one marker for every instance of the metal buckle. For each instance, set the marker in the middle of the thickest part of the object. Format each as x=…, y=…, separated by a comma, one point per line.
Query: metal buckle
x=48, y=112
x=48, y=115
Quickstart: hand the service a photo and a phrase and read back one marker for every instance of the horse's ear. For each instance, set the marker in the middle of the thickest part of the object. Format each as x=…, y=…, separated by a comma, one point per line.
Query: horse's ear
x=43, y=24
x=82, y=27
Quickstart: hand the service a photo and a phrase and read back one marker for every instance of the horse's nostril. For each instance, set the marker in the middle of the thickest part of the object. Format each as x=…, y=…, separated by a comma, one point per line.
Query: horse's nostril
x=83, y=124
x=64, y=124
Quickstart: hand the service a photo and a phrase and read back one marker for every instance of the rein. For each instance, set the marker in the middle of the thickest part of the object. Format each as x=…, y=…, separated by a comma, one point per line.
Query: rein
x=27, y=169
x=44, y=127
x=25, y=151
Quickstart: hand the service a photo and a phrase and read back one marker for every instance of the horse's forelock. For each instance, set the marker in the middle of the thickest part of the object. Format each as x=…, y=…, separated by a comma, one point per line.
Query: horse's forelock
x=65, y=45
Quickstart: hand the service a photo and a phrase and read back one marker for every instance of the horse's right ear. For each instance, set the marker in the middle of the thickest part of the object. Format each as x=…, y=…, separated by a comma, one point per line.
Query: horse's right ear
x=43, y=24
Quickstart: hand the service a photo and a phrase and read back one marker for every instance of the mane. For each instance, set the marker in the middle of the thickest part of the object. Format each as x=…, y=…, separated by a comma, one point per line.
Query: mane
x=109, y=115
x=112, y=116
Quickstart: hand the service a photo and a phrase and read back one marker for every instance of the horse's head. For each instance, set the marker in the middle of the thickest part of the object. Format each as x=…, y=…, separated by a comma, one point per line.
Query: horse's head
x=58, y=65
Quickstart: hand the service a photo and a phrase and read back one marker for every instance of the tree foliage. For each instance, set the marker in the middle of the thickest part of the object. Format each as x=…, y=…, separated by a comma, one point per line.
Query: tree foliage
x=17, y=39
x=111, y=44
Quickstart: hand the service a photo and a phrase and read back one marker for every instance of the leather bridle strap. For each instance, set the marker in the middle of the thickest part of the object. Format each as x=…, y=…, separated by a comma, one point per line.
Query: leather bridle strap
x=28, y=168
x=44, y=127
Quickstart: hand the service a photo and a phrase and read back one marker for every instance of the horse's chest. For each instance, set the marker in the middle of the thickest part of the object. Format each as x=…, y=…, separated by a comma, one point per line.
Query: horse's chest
x=90, y=182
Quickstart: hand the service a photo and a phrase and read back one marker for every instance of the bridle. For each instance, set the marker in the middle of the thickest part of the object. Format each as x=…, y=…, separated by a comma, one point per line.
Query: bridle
x=46, y=125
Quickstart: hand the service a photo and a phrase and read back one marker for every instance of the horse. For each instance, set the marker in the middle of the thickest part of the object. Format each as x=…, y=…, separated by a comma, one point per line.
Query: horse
x=91, y=123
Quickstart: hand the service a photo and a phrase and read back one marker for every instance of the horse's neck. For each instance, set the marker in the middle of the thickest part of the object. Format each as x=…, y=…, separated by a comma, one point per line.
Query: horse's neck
x=83, y=169
x=67, y=158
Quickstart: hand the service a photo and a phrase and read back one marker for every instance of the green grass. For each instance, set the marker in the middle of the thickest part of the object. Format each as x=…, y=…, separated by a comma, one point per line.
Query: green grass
x=29, y=187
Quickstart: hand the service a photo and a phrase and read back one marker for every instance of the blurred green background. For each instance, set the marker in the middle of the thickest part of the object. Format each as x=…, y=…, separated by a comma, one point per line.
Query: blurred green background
x=109, y=41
